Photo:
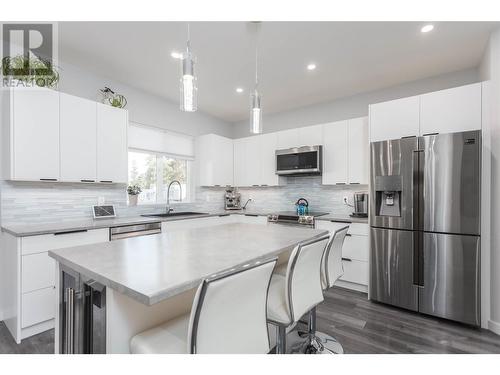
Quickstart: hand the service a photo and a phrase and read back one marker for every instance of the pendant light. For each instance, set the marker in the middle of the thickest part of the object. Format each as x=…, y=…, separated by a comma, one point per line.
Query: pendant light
x=256, y=110
x=188, y=89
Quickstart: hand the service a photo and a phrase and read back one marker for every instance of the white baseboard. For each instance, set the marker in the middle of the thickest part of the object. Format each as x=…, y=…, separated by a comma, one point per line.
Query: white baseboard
x=352, y=286
x=494, y=327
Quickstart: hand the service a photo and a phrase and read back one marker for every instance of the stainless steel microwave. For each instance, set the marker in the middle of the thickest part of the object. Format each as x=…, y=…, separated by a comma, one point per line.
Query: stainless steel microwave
x=306, y=160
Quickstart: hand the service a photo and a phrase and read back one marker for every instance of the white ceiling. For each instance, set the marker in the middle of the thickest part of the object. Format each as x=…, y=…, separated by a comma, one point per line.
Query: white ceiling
x=351, y=57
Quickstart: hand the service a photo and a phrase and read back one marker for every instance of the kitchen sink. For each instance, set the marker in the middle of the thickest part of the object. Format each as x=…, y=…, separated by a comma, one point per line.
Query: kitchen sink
x=173, y=214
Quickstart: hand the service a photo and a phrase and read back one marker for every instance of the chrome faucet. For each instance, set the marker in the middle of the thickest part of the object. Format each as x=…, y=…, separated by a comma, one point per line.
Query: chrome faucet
x=245, y=205
x=168, y=209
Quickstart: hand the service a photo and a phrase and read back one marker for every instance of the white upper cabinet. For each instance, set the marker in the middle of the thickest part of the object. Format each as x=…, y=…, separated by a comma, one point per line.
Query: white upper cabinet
x=310, y=135
x=305, y=136
x=268, y=146
x=335, y=153
x=453, y=110
x=253, y=161
x=247, y=161
x=239, y=162
x=78, y=139
x=214, y=160
x=288, y=139
x=52, y=136
x=395, y=119
x=34, y=134
x=447, y=111
x=112, y=148
x=359, y=157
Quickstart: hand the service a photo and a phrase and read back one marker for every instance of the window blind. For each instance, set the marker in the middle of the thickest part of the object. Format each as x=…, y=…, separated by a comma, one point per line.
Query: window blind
x=151, y=138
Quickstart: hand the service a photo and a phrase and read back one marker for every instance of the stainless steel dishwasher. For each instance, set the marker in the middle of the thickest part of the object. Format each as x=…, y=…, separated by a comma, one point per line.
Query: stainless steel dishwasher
x=137, y=230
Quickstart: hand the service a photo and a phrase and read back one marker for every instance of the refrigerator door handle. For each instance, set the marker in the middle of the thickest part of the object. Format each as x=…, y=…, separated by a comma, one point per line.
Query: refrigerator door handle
x=418, y=259
x=416, y=188
x=416, y=251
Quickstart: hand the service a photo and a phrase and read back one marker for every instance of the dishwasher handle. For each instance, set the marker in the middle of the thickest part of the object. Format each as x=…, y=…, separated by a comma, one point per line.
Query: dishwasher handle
x=120, y=236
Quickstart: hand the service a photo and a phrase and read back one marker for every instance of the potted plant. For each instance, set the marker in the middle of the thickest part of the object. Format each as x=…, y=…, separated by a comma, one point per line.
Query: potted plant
x=133, y=191
x=21, y=71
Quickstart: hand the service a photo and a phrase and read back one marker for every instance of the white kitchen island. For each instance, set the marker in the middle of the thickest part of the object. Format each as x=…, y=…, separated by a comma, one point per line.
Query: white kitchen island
x=148, y=280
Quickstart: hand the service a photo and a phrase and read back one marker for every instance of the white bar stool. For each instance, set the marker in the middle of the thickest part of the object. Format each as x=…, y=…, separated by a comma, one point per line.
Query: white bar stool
x=299, y=291
x=331, y=271
x=228, y=315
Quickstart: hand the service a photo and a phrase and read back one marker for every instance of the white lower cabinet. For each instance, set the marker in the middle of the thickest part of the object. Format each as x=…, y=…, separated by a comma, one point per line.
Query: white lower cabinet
x=31, y=300
x=38, y=272
x=355, y=253
x=355, y=273
x=355, y=248
x=38, y=306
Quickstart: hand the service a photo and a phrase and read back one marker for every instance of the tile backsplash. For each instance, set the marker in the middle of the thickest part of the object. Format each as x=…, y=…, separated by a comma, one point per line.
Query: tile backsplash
x=35, y=202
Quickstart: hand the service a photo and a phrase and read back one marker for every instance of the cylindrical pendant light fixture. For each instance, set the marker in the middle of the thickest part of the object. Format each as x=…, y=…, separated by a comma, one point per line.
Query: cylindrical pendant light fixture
x=255, y=114
x=188, y=89
x=255, y=98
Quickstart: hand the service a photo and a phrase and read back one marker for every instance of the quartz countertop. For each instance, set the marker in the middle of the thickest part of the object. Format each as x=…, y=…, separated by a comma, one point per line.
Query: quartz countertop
x=25, y=230
x=153, y=268
x=343, y=218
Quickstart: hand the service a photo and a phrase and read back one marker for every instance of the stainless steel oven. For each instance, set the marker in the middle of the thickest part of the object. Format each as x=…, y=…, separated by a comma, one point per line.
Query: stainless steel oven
x=292, y=219
x=306, y=160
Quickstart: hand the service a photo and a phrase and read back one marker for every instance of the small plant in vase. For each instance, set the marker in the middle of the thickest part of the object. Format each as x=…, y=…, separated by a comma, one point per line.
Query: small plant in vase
x=133, y=192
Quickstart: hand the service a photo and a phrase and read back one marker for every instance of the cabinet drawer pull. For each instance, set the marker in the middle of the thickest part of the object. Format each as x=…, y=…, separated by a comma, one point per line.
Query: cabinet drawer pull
x=87, y=180
x=355, y=183
x=71, y=231
x=409, y=136
x=255, y=185
x=340, y=183
x=48, y=179
x=424, y=135
x=106, y=181
x=348, y=234
x=252, y=215
x=264, y=185
x=347, y=259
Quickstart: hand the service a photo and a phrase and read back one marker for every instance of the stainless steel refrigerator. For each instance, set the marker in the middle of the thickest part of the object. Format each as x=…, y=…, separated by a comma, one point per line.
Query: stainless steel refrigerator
x=425, y=224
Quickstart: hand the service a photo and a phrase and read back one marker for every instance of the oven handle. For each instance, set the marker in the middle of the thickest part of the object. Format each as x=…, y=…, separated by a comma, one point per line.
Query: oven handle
x=294, y=224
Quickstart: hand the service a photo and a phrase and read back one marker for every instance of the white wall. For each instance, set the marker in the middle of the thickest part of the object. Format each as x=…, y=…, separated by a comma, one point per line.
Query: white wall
x=490, y=70
x=143, y=108
x=354, y=106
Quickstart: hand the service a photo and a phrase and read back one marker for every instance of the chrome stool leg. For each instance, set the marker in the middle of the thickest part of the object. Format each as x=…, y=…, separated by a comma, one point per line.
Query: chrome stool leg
x=280, y=339
x=319, y=342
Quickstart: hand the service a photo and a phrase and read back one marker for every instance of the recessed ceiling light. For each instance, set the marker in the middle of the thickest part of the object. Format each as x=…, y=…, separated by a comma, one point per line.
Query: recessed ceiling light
x=311, y=66
x=176, y=55
x=427, y=28
x=239, y=90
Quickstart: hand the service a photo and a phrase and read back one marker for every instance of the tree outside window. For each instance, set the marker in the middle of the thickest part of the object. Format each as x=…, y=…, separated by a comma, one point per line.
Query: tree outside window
x=144, y=169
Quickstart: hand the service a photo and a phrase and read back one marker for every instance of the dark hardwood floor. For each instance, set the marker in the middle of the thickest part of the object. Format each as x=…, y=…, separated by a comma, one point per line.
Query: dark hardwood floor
x=359, y=325
x=42, y=343
x=362, y=326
